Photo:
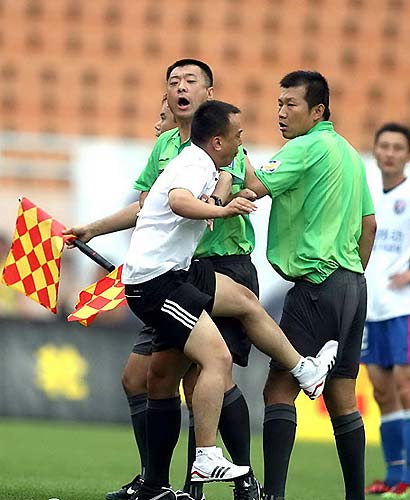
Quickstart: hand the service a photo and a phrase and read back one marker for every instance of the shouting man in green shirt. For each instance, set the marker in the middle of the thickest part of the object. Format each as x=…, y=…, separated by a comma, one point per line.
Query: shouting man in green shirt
x=226, y=248
x=320, y=236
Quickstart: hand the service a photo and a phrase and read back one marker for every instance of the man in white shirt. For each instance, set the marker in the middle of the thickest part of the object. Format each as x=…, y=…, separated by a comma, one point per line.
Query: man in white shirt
x=177, y=298
x=386, y=342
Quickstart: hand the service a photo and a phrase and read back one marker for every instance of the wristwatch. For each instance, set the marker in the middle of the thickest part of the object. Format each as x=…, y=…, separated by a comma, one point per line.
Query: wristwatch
x=218, y=201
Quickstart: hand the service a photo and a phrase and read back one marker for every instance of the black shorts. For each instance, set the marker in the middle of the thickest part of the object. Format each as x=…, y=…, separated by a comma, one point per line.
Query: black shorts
x=335, y=309
x=143, y=342
x=241, y=269
x=172, y=303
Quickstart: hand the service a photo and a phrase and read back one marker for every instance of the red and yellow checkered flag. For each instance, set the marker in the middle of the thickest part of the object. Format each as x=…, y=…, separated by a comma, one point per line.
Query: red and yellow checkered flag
x=104, y=295
x=33, y=263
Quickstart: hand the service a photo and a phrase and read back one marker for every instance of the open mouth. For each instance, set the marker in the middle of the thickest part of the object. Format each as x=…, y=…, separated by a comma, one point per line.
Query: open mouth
x=282, y=126
x=183, y=102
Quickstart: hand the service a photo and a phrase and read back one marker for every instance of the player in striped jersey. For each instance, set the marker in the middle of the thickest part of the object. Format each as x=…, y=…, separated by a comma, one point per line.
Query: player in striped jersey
x=386, y=342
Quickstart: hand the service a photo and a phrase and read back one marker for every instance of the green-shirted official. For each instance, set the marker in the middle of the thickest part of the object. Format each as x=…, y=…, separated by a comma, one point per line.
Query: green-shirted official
x=319, y=193
x=320, y=235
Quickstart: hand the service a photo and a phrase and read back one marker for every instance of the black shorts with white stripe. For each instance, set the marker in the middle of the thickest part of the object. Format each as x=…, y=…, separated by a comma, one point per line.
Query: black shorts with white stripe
x=172, y=304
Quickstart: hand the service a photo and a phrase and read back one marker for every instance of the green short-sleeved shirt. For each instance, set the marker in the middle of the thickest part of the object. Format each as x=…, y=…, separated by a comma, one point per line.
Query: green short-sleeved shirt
x=233, y=236
x=319, y=195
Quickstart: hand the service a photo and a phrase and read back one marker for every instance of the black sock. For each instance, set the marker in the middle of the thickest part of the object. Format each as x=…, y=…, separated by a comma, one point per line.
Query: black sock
x=163, y=426
x=279, y=429
x=191, y=450
x=350, y=443
x=234, y=426
x=138, y=409
x=194, y=489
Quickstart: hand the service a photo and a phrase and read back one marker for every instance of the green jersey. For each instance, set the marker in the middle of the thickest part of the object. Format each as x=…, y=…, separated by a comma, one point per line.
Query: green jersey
x=233, y=236
x=319, y=193
x=167, y=147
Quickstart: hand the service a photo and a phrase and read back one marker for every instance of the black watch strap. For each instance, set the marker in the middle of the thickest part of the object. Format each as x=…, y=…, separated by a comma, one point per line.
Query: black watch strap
x=218, y=201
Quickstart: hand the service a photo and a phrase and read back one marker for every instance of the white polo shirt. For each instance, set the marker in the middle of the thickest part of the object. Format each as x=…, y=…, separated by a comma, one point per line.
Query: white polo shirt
x=162, y=240
x=390, y=255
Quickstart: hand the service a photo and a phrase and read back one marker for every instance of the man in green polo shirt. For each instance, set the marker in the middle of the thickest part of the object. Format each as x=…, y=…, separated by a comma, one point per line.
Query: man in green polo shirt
x=320, y=235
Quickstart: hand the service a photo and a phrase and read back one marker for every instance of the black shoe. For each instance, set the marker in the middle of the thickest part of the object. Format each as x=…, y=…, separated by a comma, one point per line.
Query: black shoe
x=127, y=490
x=160, y=494
x=195, y=491
x=247, y=488
x=273, y=497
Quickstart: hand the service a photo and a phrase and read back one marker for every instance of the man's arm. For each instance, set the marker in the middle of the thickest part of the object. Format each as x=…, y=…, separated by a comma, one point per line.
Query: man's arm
x=400, y=280
x=252, y=182
x=223, y=187
x=183, y=203
x=142, y=197
x=367, y=238
x=123, y=219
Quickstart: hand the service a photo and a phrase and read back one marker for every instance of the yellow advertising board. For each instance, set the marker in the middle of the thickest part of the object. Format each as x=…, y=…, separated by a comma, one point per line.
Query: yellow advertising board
x=314, y=423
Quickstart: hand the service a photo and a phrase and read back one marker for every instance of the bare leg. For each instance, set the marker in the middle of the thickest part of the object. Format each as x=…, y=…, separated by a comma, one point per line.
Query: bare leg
x=232, y=299
x=134, y=376
x=384, y=389
x=237, y=301
x=207, y=348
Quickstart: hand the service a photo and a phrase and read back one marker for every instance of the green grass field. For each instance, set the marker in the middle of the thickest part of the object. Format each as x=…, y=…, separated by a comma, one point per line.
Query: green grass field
x=40, y=460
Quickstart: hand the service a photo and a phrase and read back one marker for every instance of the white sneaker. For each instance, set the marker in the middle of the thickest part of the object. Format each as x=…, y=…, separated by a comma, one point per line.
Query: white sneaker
x=315, y=369
x=163, y=493
x=213, y=466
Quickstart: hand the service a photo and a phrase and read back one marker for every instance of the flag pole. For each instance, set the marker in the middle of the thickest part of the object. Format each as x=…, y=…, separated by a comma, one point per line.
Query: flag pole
x=93, y=255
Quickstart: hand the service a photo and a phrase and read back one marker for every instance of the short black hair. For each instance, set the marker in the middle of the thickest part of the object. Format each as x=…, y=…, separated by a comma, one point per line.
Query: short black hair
x=194, y=62
x=211, y=119
x=317, y=88
x=393, y=127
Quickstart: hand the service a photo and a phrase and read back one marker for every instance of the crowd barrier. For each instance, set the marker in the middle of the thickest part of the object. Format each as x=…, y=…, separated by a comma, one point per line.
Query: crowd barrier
x=65, y=371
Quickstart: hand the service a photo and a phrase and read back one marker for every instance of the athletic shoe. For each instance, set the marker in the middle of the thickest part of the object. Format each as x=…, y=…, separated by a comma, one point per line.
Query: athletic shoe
x=400, y=491
x=316, y=369
x=161, y=494
x=213, y=466
x=195, y=491
x=127, y=490
x=183, y=495
x=247, y=488
x=377, y=487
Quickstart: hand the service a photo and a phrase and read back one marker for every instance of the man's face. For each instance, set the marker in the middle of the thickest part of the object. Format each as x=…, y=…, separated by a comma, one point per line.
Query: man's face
x=187, y=89
x=231, y=141
x=391, y=152
x=295, y=118
x=166, y=120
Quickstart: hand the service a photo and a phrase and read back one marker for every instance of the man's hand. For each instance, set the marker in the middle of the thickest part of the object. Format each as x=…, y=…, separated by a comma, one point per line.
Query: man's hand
x=246, y=193
x=208, y=199
x=238, y=206
x=83, y=233
x=400, y=280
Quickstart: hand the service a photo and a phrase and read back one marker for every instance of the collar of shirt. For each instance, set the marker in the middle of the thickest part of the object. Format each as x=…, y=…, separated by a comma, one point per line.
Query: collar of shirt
x=202, y=155
x=320, y=126
x=176, y=141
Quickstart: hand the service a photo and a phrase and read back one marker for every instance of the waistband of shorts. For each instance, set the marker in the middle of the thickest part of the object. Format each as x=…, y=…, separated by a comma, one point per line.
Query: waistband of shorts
x=339, y=270
x=227, y=258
